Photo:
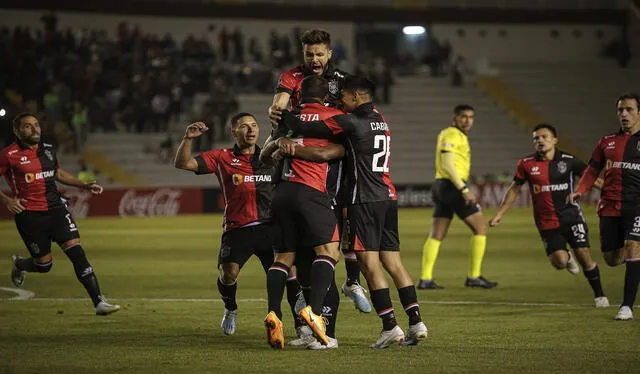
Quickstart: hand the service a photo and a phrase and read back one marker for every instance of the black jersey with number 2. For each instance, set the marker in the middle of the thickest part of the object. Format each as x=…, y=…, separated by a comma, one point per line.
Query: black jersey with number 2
x=368, y=143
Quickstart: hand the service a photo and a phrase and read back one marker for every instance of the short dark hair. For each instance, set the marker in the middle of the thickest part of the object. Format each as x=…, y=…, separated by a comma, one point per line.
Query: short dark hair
x=314, y=87
x=548, y=127
x=359, y=82
x=629, y=96
x=17, y=120
x=316, y=36
x=461, y=108
x=234, y=120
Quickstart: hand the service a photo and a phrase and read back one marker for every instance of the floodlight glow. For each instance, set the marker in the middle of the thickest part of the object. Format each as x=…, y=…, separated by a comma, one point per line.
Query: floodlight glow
x=2, y=112
x=413, y=30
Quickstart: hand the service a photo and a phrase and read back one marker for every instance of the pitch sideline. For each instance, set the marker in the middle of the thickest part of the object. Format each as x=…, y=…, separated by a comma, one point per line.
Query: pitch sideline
x=25, y=295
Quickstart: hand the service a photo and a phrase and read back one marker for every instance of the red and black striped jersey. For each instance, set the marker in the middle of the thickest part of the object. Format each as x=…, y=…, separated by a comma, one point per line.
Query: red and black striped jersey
x=367, y=140
x=31, y=174
x=619, y=155
x=245, y=183
x=312, y=174
x=550, y=182
x=291, y=80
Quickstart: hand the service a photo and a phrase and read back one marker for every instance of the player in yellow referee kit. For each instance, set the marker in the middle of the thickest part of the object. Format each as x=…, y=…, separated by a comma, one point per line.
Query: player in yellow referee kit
x=451, y=195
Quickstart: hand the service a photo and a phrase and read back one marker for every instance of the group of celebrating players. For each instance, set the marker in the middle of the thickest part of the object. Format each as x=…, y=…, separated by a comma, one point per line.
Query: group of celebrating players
x=321, y=185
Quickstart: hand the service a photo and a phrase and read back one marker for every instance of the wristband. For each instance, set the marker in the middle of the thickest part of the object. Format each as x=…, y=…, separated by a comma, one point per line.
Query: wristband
x=464, y=189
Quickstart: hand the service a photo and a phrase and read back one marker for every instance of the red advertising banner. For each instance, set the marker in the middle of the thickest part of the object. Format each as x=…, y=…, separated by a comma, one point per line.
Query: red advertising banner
x=133, y=202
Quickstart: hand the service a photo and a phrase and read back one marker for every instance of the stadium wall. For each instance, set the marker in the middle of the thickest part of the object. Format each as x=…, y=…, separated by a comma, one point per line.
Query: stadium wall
x=533, y=43
x=169, y=201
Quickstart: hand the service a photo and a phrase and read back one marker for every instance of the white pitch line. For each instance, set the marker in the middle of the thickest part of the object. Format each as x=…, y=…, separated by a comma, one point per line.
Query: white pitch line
x=21, y=294
x=260, y=300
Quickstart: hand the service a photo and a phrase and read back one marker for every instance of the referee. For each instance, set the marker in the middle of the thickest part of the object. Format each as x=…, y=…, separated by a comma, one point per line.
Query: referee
x=451, y=195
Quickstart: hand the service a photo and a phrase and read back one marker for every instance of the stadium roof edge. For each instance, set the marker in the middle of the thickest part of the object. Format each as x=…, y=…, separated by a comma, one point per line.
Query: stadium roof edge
x=363, y=14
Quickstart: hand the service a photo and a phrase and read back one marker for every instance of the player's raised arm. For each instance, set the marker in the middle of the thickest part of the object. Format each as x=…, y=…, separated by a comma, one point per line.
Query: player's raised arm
x=183, y=159
x=280, y=102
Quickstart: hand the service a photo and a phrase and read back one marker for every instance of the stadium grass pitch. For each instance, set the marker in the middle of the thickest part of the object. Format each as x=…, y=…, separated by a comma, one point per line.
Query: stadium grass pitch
x=163, y=271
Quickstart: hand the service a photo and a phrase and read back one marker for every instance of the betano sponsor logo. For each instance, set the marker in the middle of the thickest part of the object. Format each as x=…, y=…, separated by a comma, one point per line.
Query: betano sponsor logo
x=238, y=179
x=550, y=187
x=623, y=165
x=31, y=177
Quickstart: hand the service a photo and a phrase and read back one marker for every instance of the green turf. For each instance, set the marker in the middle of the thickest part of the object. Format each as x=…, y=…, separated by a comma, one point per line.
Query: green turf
x=139, y=261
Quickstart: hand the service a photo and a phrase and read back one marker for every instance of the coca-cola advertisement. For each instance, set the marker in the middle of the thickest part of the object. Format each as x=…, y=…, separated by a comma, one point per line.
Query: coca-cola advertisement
x=133, y=202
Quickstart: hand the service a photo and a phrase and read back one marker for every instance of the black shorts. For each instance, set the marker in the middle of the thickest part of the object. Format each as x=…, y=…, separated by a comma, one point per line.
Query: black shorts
x=39, y=229
x=576, y=235
x=374, y=226
x=303, y=217
x=448, y=200
x=239, y=244
x=615, y=230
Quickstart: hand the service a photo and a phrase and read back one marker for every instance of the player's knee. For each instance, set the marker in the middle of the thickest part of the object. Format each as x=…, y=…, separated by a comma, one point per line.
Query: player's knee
x=632, y=249
x=229, y=273
x=480, y=228
x=613, y=258
x=559, y=259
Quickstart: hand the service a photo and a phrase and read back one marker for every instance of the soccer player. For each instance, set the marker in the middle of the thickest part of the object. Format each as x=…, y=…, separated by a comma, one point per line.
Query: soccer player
x=550, y=173
x=619, y=207
x=451, y=195
x=246, y=186
x=317, y=53
x=373, y=207
x=30, y=167
x=305, y=219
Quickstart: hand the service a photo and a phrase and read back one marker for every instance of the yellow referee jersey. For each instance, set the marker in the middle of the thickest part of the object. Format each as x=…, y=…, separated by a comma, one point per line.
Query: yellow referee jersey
x=455, y=141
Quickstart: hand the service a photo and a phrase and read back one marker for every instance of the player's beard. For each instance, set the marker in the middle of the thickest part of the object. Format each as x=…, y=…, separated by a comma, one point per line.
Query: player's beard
x=29, y=140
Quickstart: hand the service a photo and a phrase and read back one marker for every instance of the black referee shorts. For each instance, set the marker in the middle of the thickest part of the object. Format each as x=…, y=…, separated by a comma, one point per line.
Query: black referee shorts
x=374, y=226
x=448, y=200
x=39, y=228
x=303, y=217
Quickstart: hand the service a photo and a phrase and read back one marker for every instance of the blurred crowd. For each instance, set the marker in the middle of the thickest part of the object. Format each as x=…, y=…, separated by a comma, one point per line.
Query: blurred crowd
x=82, y=81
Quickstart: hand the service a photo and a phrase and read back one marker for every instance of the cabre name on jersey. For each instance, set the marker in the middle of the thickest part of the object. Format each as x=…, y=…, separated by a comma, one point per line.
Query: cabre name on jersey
x=379, y=126
x=30, y=177
x=550, y=187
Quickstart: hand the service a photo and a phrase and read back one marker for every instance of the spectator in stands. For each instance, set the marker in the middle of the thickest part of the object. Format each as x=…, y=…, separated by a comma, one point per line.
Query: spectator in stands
x=339, y=52
x=458, y=68
x=160, y=104
x=382, y=77
x=238, y=45
x=165, y=149
x=79, y=123
x=224, y=39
